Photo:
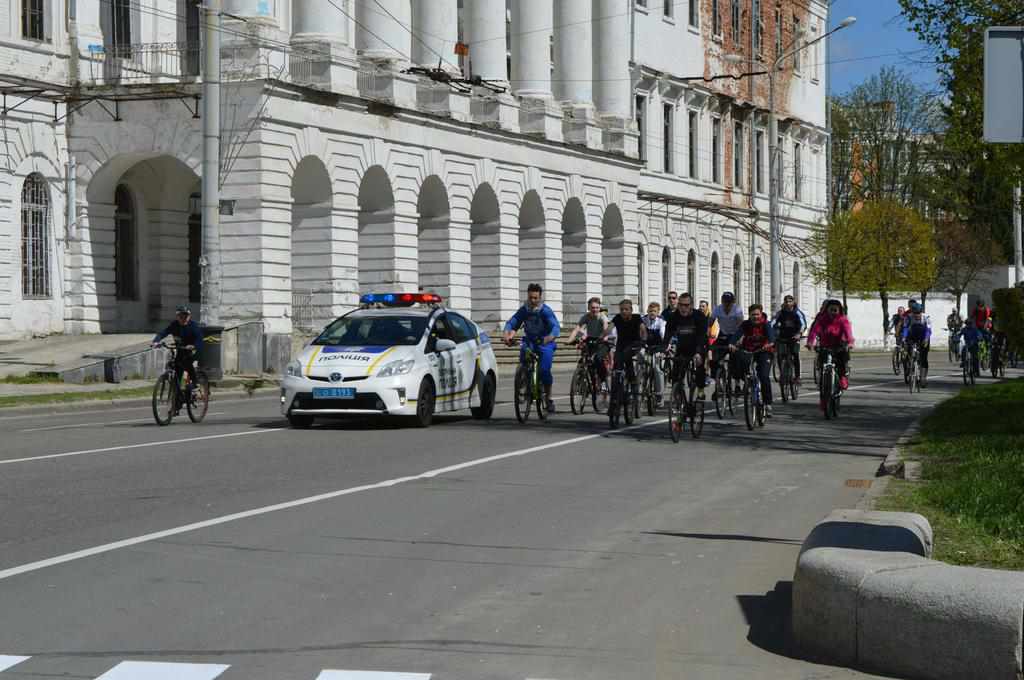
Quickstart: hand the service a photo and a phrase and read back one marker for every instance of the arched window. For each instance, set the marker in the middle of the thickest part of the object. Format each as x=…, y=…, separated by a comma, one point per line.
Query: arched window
x=714, y=279
x=796, y=282
x=125, y=269
x=666, y=272
x=758, y=281
x=35, y=237
x=737, y=277
x=641, y=277
x=691, y=274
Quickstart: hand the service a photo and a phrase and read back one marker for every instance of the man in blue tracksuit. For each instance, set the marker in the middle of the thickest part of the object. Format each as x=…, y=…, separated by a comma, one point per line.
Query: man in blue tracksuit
x=540, y=328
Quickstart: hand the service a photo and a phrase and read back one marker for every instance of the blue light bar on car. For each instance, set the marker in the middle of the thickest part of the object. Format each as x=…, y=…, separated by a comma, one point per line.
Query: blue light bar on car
x=399, y=299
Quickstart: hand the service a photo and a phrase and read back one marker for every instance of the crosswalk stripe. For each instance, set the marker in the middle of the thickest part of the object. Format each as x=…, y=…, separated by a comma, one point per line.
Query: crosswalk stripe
x=8, y=661
x=371, y=675
x=158, y=670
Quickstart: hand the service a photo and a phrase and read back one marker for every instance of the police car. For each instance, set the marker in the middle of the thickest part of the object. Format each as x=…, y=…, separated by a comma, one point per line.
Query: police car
x=399, y=354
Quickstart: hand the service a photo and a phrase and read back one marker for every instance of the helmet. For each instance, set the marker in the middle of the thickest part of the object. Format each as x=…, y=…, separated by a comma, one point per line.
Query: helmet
x=916, y=308
x=183, y=309
x=728, y=297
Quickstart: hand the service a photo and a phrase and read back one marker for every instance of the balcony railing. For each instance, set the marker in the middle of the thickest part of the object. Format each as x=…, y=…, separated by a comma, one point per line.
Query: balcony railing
x=143, y=63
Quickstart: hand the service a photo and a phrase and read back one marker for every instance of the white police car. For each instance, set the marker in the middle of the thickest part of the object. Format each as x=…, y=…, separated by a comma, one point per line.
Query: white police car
x=399, y=354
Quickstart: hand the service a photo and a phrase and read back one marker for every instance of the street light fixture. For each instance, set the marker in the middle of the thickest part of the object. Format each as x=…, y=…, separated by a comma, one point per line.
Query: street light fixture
x=773, y=152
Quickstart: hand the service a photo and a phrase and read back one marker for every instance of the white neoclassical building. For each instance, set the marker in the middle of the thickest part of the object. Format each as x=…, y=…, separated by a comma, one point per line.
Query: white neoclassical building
x=587, y=145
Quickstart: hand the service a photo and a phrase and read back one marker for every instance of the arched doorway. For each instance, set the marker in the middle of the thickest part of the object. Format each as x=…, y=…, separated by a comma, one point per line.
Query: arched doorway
x=310, y=262
x=613, y=255
x=691, y=274
x=386, y=262
x=758, y=282
x=577, y=286
x=435, y=244
x=714, y=280
x=485, y=257
x=737, y=278
x=533, y=262
x=666, y=272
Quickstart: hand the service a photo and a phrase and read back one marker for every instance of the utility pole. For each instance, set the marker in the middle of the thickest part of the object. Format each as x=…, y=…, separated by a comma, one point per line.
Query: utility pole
x=1018, y=264
x=210, y=313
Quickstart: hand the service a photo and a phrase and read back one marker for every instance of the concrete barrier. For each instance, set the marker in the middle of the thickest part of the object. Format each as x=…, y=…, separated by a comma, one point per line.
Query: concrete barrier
x=872, y=530
x=901, y=614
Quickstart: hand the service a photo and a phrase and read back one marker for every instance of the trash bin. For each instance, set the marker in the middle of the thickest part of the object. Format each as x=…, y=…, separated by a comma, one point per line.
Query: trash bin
x=211, y=356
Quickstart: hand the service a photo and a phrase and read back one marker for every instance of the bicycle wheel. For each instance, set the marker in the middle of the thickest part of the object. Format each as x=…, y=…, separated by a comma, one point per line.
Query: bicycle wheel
x=539, y=394
x=676, y=416
x=614, y=402
x=896, y=361
x=629, y=405
x=199, y=402
x=650, y=398
x=523, y=394
x=817, y=373
x=696, y=415
x=579, y=391
x=786, y=376
x=826, y=391
x=965, y=369
x=749, y=405
x=164, y=402
x=719, y=395
x=730, y=396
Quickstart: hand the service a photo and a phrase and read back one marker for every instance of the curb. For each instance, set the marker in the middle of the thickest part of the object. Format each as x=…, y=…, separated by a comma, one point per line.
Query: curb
x=894, y=464
x=859, y=601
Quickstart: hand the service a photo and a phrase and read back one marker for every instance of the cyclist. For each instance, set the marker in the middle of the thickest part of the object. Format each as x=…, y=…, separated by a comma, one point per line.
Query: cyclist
x=758, y=336
x=654, y=321
x=789, y=324
x=189, y=338
x=705, y=309
x=670, y=304
x=687, y=334
x=540, y=328
x=917, y=330
x=833, y=331
x=728, y=316
x=971, y=337
x=896, y=325
x=982, y=315
x=631, y=335
x=953, y=321
x=590, y=327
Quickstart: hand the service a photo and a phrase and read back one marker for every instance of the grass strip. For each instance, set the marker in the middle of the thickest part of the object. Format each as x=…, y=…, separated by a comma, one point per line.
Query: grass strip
x=30, y=379
x=66, y=397
x=972, y=452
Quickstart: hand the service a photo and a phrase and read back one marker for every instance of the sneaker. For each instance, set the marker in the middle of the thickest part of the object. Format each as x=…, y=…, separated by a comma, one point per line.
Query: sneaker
x=708, y=382
x=551, y=406
x=659, y=401
x=700, y=393
x=768, y=411
x=844, y=383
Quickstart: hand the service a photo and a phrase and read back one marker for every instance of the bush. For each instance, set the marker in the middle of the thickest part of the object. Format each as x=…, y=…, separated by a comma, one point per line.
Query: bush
x=1009, y=313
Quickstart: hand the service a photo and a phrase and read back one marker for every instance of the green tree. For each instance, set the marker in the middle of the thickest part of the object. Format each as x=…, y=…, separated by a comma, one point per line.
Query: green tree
x=841, y=260
x=898, y=250
x=964, y=250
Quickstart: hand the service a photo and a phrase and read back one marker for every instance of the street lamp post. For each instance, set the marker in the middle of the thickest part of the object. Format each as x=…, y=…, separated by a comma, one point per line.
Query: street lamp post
x=774, y=233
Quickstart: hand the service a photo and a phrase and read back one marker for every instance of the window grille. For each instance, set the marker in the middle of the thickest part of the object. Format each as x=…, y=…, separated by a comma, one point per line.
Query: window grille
x=35, y=238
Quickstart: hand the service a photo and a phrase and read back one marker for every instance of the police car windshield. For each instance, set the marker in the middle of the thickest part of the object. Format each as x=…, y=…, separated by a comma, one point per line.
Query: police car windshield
x=374, y=330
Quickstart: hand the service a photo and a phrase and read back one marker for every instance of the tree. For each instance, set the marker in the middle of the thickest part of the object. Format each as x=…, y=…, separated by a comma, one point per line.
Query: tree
x=964, y=250
x=898, y=250
x=843, y=260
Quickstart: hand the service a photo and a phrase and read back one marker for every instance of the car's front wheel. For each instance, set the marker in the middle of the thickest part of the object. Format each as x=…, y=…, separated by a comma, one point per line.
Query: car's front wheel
x=425, y=404
x=299, y=422
x=488, y=390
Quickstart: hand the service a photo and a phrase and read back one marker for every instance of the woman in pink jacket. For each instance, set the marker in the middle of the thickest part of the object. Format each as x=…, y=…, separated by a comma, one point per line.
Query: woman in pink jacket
x=832, y=330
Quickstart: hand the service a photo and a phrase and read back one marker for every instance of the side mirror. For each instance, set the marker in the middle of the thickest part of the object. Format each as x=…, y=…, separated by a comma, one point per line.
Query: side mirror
x=444, y=345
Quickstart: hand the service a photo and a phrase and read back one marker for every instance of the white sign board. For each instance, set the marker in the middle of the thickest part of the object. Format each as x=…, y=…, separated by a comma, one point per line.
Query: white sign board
x=1004, y=84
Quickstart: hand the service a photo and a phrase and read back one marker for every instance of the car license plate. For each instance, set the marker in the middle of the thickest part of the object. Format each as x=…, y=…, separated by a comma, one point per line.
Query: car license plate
x=334, y=393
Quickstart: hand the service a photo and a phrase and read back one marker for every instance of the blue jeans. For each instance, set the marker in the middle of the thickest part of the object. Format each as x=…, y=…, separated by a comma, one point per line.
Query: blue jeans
x=546, y=356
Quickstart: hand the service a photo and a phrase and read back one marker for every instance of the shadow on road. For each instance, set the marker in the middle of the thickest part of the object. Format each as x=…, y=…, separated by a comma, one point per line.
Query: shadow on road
x=769, y=617
x=724, y=537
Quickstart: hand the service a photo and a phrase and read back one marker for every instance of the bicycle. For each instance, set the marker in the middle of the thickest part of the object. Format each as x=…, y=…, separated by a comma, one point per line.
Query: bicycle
x=754, y=407
x=954, y=345
x=785, y=364
x=830, y=393
x=723, y=395
x=897, y=358
x=996, y=363
x=683, y=406
x=586, y=383
x=624, y=399
x=528, y=390
x=984, y=354
x=967, y=366
x=914, y=377
x=169, y=395
x=648, y=367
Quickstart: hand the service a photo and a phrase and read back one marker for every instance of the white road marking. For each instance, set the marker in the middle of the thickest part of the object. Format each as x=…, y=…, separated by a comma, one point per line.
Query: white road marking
x=159, y=670
x=287, y=505
x=370, y=675
x=8, y=661
x=100, y=423
x=125, y=447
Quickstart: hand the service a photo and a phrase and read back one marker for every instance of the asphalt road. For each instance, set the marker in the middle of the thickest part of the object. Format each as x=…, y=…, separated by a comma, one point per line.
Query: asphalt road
x=471, y=550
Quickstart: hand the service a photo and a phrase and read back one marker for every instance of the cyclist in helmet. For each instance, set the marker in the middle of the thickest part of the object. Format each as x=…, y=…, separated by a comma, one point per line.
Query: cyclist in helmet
x=189, y=337
x=833, y=331
x=917, y=330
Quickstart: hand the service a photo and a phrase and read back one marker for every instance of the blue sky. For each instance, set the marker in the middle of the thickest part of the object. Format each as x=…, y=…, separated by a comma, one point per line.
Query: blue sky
x=881, y=37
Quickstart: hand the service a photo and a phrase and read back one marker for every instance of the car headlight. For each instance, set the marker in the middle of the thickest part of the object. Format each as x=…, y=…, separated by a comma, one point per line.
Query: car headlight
x=400, y=367
x=294, y=369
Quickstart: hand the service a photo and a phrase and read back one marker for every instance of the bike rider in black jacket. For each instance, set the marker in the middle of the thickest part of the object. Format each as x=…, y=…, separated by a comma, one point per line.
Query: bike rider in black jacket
x=189, y=337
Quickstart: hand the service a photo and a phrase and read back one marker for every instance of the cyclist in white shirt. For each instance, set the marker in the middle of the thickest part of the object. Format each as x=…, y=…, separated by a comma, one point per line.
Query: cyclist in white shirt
x=729, y=316
x=656, y=340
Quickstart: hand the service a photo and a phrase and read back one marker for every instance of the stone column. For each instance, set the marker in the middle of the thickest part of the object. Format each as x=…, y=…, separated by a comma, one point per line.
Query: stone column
x=247, y=45
x=435, y=24
x=574, y=71
x=486, y=37
x=531, y=68
x=323, y=54
x=612, y=78
x=384, y=43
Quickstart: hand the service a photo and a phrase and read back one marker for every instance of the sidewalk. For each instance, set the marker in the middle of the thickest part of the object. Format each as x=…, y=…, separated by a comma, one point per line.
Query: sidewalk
x=20, y=357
